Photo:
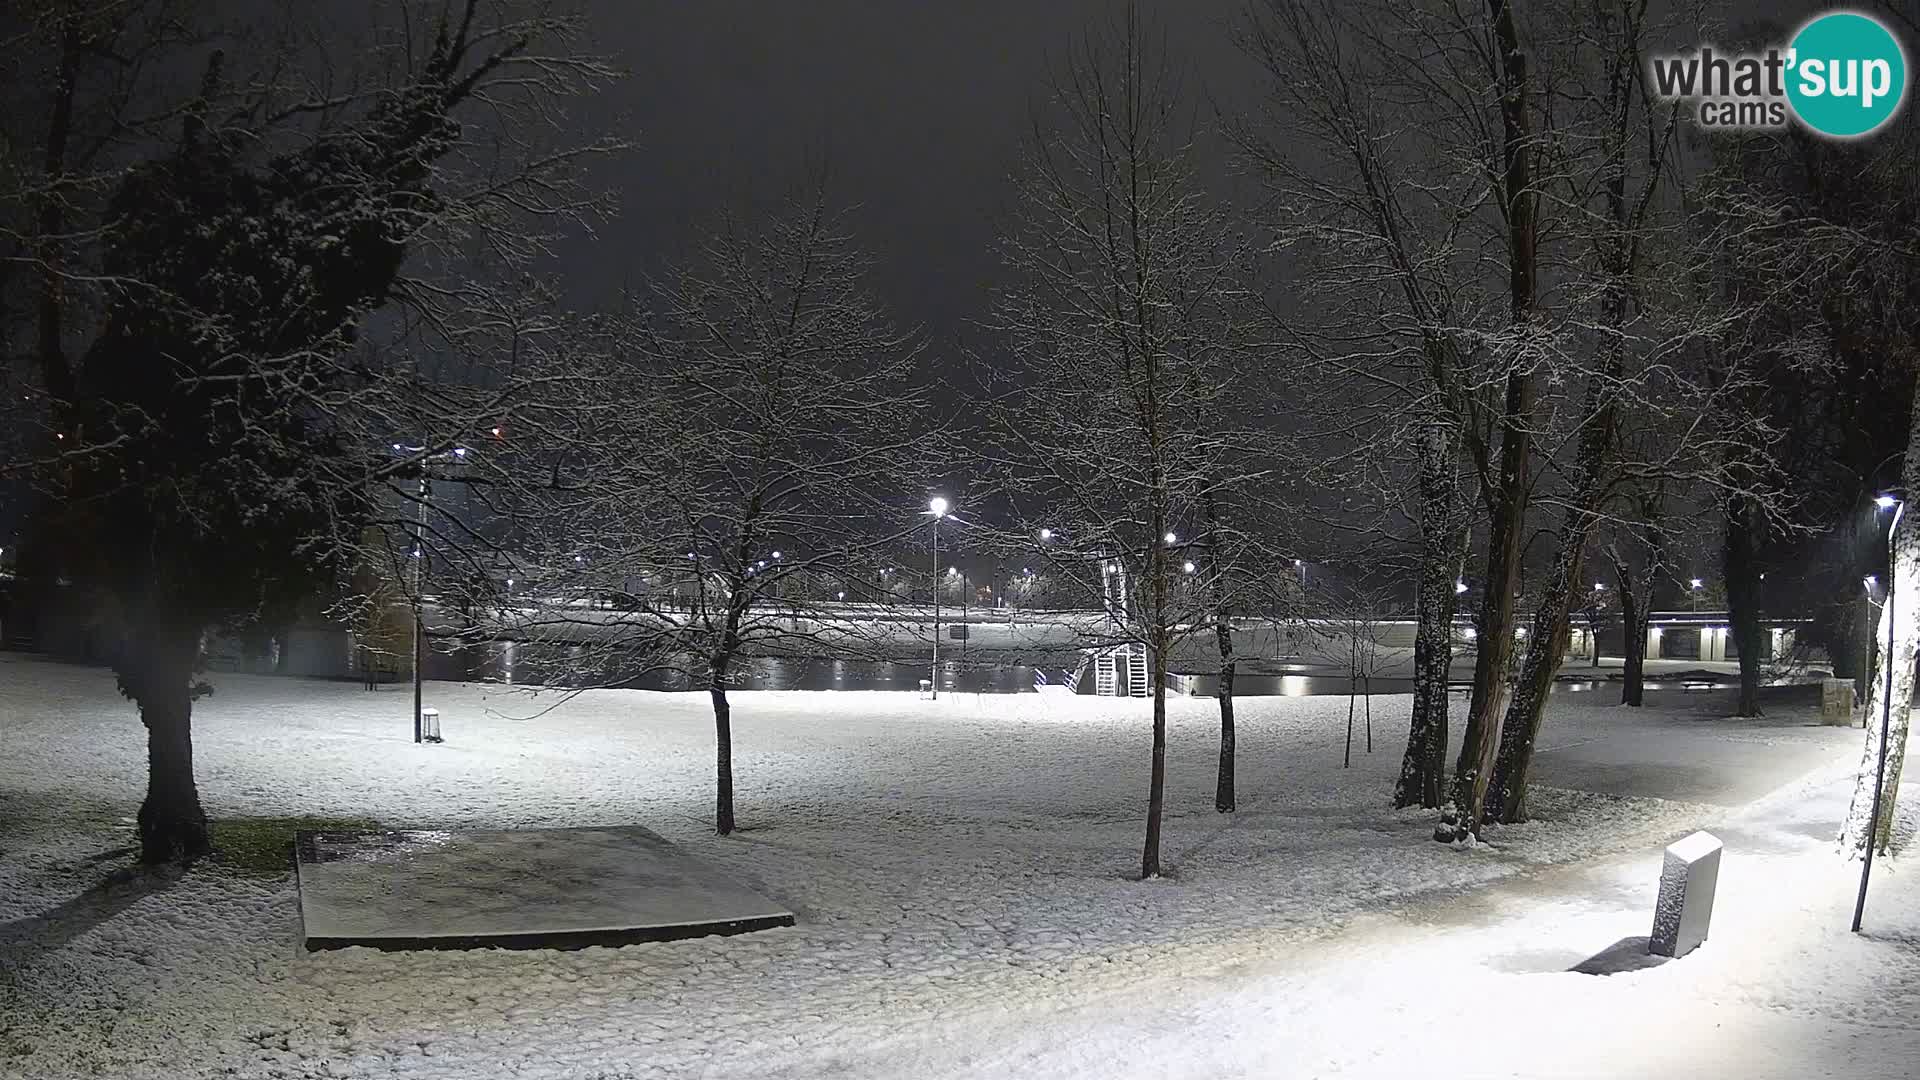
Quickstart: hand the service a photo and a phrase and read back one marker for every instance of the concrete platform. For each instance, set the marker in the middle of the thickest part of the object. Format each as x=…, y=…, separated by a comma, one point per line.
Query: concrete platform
x=520, y=889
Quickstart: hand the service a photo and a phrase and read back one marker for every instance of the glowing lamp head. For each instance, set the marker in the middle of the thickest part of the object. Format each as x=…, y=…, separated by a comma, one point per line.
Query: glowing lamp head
x=1886, y=502
x=937, y=506
x=1046, y=534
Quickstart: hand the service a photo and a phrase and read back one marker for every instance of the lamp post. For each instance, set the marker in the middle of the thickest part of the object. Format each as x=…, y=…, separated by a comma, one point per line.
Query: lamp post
x=1693, y=589
x=1884, y=502
x=936, y=509
x=419, y=554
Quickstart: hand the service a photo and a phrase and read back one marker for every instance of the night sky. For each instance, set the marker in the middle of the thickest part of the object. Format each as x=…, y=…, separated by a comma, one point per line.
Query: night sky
x=916, y=108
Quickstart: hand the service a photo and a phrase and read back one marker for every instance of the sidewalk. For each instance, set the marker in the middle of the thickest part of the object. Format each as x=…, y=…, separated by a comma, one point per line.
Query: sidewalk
x=1478, y=984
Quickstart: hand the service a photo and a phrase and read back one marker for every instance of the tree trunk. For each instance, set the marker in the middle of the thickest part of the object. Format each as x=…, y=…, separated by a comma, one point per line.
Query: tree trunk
x=1552, y=625
x=1507, y=512
x=723, y=741
x=1223, y=789
x=1902, y=615
x=1494, y=658
x=1423, y=768
x=156, y=670
x=1634, y=617
x=1157, y=663
x=1742, y=569
x=1157, y=781
x=1346, y=761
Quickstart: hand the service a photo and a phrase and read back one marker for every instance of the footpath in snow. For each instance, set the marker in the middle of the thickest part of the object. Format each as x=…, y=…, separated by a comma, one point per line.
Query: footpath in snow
x=960, y=873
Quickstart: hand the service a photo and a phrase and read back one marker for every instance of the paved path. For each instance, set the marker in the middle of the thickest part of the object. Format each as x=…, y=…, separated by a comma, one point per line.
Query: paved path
x=1705, y=756
x=1482, y=983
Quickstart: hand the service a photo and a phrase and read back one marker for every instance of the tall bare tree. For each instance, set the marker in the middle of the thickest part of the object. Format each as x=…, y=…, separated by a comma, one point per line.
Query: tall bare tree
x=1126, y=318
x=742, y=454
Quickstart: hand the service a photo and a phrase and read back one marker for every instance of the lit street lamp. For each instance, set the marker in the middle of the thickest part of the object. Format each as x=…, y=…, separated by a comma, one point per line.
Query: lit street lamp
x=1884, y=502
x=936, y=509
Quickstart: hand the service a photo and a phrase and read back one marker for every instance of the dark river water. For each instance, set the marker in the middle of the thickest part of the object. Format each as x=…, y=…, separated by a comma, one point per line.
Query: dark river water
x=574, y=666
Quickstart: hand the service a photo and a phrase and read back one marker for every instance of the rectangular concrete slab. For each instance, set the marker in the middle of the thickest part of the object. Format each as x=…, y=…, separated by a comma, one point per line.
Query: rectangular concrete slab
x=526, y=888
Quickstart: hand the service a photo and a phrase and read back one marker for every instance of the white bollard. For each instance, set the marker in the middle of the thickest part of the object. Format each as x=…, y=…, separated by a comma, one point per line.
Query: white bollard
x=1685, y=907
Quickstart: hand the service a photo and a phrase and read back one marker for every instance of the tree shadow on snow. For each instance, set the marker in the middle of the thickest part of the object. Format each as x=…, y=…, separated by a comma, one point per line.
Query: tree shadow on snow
x=100, y=903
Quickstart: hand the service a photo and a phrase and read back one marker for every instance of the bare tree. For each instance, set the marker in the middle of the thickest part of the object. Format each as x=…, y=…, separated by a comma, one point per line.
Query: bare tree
x=738, y=464
x=1411, y=146
x=1125, y=324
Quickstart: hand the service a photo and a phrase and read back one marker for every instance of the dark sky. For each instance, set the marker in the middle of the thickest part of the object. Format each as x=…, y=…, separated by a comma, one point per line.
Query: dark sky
x=916, y=106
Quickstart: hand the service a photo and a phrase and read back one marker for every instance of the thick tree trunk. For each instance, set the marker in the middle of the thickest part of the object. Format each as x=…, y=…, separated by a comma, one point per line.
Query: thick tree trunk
x=1742, y=569
x=1546, y=649
x=723, y=741
x=1902, y=616
x=1423, y=769
x=1507, y=511
x=1494, y=657
x=1634, y=617
x=156, y=670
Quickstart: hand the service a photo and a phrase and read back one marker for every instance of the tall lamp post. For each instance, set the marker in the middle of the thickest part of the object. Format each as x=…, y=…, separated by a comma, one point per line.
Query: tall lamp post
x=936, y=509
x=1884, y=502
x=419, y=554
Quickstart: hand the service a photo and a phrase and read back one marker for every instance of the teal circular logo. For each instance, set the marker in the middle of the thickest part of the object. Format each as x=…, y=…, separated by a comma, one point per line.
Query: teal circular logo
x=1847, y=74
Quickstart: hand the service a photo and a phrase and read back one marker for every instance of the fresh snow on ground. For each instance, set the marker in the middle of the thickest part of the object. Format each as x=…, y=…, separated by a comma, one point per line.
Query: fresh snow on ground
x=961, y=873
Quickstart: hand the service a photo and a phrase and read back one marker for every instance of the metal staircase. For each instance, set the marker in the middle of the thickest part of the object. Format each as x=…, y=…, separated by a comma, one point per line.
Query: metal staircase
x=1137, y=685
x=1109, y=680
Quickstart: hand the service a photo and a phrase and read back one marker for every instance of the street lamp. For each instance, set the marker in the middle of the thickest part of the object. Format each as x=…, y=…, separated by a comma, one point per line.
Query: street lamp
x=1693, y=591
x=419, y=555
x=936, y=509
x=1884, y=502
x=1046, y=534
x=1301, y=563
x=1187, y=566
x=1459, y=587
x=1171, y=538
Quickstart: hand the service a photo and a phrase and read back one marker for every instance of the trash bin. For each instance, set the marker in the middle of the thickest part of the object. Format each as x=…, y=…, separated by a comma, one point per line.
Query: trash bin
x=926, y=689
x=430, y=725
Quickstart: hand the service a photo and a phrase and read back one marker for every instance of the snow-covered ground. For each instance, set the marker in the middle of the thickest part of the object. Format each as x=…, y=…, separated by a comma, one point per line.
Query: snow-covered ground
x=961, y=871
